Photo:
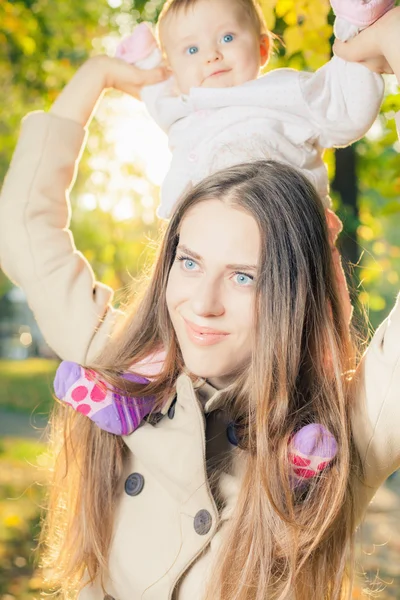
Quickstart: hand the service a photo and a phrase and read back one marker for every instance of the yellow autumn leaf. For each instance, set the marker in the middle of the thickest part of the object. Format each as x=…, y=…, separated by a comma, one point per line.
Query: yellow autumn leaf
x=317, y=20
x=268, y=9
x=12, y=521
x=267, y=5
x=284, y=6
x=36, y=582
x=376, y=302
x=294, y=39
x=321, y=7
x=365, y=233
x=292, y=18
x=28, y=45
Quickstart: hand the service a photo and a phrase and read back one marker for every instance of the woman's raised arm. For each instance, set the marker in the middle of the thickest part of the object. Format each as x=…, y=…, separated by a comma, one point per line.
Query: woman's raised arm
x=37, y=249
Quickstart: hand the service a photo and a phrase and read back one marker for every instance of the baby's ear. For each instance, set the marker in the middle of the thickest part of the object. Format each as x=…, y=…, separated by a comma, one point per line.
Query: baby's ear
x=265, y=47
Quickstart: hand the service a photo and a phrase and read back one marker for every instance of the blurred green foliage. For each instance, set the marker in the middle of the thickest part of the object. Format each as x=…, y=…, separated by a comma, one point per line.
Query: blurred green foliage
x=27, y=386
x=23, y=471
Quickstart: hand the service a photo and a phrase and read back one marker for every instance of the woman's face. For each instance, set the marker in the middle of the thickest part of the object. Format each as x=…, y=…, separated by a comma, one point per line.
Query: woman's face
x=211, y=289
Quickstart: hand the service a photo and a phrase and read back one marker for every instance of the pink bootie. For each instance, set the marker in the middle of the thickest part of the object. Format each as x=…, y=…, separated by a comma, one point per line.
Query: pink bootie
x=361, y=13
x=311, y=450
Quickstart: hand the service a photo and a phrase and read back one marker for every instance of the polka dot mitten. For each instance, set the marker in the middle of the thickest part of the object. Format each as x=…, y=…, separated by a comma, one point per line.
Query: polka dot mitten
x=81, y=389
x=311, y=451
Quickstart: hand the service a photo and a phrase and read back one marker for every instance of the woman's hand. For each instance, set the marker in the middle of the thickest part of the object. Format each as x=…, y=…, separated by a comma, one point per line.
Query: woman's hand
x=79, y=98
x=377, y=47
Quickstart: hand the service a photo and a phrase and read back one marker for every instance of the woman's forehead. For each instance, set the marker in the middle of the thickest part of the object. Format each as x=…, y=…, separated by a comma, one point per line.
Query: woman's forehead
x=214, y=228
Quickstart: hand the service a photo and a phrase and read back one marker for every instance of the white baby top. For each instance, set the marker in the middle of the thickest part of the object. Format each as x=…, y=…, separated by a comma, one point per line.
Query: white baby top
x=285, y=115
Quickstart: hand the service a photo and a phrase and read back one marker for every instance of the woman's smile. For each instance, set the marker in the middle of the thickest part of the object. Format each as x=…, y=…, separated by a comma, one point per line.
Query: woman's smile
x=204, y=336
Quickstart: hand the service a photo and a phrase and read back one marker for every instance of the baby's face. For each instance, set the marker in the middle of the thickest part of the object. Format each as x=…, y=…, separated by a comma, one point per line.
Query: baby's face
x=213, y=44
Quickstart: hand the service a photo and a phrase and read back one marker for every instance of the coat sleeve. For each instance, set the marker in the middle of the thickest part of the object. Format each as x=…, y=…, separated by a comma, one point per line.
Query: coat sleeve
x=37, y=250
x=376, y=414
x=341, y=101
x=376, y=425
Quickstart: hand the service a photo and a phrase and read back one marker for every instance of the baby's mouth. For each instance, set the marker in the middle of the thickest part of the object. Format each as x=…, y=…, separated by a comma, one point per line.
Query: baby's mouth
x=217, y=74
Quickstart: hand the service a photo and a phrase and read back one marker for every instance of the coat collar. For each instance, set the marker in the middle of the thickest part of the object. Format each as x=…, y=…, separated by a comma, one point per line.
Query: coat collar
x=211, y=398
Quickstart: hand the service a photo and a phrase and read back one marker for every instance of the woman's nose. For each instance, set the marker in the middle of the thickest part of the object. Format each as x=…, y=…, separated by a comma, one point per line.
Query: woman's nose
x=207, y=299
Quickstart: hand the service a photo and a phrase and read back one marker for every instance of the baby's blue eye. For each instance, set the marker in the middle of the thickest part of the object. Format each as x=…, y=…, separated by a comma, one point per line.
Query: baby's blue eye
x=193, y=50
x=227, y=38
x=243, y=279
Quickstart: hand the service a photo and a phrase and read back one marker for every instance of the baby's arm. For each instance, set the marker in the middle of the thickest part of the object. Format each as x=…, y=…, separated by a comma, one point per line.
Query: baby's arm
x=343, y=99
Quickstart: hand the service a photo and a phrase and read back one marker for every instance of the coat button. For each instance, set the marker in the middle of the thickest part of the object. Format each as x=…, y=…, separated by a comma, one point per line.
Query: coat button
x=134, y=484
x=171, y=410
x=202, y=522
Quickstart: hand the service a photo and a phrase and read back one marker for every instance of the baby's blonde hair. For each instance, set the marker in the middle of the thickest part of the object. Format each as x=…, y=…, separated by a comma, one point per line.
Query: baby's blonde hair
x=251, y=7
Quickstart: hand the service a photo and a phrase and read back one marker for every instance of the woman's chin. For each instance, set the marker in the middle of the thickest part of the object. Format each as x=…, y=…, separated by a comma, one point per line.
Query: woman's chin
x=219, y=378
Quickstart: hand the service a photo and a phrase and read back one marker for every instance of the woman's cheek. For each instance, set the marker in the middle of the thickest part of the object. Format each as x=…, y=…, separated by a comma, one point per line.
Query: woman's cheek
x=177, y=287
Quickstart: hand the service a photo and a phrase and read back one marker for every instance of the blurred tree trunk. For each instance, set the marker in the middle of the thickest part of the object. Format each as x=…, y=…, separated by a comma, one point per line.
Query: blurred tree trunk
x=345, y=183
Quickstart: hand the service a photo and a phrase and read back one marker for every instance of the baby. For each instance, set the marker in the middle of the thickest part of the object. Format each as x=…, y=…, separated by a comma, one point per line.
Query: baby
x=218, y=111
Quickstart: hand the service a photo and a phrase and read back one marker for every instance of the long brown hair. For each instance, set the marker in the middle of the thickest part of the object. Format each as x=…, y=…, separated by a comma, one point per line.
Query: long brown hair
x=280, y=541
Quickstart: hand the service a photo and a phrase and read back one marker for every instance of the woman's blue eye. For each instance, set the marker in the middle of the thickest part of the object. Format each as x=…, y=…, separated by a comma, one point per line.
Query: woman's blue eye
x=227, y=38
x=189, y=264
x=193, y=50
x=243, y=279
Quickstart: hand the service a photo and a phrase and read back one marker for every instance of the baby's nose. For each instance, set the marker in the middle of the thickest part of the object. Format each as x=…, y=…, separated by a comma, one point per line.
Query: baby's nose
x=214, y=55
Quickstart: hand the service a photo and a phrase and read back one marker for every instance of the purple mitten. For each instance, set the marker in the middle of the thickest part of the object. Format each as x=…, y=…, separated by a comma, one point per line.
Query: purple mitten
x=311, y=450
x=112, y=412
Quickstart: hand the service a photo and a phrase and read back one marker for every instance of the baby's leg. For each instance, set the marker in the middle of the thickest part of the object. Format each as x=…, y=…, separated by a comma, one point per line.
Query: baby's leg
x=352, y=16
x=311, y=451
x=82, y=390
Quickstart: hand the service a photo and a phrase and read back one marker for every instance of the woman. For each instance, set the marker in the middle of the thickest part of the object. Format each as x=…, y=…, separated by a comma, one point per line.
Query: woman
x=252, y=324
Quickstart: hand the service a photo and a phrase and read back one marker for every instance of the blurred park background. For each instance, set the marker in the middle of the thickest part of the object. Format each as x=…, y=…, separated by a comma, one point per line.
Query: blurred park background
x=42, y=43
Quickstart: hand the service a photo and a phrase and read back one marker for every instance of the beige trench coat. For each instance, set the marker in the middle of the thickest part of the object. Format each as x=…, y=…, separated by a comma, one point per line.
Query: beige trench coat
x=168, y=526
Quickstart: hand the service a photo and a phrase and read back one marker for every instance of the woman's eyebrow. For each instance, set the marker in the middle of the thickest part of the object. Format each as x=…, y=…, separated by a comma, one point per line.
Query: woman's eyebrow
x=187, y=250
x=239, y=267
x=233, y=267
